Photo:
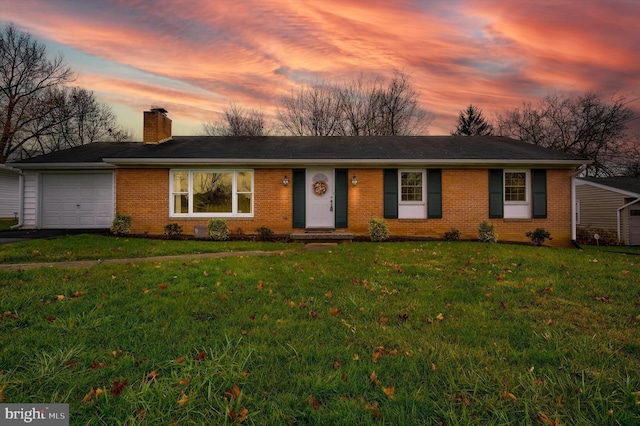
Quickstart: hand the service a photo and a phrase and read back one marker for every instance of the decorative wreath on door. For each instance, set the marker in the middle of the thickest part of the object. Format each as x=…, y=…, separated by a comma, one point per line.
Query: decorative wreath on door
x=320, y=185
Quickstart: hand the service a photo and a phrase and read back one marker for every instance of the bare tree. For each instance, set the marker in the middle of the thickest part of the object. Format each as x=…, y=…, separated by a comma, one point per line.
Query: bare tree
x=80, y=119
x=237, y=121
x=311, y=111
x=584, y=125
x=471, y=122
x=365, y=106
x=29, y=84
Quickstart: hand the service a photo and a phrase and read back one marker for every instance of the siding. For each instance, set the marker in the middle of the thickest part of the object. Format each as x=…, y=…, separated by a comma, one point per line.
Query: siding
x=598, y=209
x=9, y=194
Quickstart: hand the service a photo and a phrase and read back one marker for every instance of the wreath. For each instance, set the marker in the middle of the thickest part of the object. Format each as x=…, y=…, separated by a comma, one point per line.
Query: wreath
x=320, y=187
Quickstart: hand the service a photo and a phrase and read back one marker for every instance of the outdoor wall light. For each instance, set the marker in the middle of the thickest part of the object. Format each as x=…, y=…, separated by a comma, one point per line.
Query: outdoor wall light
x=354, y=180
x=285, y=180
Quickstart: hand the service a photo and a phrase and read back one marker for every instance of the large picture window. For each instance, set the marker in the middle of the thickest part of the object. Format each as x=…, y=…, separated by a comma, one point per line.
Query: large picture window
x=211, y=193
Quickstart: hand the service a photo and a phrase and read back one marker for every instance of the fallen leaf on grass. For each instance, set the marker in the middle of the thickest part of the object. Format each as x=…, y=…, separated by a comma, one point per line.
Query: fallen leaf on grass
x=390, y=392
x=337, y=364
x=433, y=367
x=374, y=379
x=233, y=393
x=51, y=318
x=2, y=397
x=440, y=317
x=95, y=365
x=60, y=297
x=373, y=408
x=335, y=311
x=183, y=400
x=240, y=417
x=70, y=363
x=152, y=376
x=92, y=394
x=180, y=360
x=118, y=387
x=185, y=381
x=508, y=395
x=602, y=299
x=314, y=403
x=201, y=355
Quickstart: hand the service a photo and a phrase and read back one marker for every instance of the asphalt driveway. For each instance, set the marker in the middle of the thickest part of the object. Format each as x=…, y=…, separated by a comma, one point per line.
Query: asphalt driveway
x=13, y=236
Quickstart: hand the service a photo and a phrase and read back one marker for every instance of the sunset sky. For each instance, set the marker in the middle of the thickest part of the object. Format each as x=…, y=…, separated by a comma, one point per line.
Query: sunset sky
x=195, y=57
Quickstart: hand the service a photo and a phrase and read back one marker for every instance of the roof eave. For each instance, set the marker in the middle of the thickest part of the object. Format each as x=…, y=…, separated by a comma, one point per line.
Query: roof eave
x=337, y=162
x=64, y=166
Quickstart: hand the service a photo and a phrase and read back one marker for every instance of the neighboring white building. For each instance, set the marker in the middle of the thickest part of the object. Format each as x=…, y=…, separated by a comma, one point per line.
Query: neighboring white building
x=610, y=206
x=9, y=192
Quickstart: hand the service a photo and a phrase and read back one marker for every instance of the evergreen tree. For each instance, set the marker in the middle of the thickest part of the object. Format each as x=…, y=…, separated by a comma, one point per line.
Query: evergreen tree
x=472, y=123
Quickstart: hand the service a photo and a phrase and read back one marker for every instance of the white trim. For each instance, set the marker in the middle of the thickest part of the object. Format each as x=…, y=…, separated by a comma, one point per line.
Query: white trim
x=234, y=198
x=412, y=209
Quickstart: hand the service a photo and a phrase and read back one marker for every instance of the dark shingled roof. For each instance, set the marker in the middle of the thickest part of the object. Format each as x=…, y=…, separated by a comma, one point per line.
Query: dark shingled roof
x=630, y=184
x=283, y=148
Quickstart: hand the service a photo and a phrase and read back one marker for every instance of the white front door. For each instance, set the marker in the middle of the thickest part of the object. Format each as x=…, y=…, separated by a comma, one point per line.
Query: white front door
x=320, y=198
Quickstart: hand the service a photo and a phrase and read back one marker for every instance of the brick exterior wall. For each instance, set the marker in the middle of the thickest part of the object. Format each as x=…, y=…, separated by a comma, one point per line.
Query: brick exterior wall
x=144, y=194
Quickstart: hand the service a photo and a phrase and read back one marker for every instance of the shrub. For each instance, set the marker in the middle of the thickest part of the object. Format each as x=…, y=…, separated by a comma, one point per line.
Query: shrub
x=453, y=235
x=264, y=233
x=487, y=232
x=538, y=236
x=121, y=224
x=608, y=237
x=378, y=229
x=172, y=229
x=218, y=230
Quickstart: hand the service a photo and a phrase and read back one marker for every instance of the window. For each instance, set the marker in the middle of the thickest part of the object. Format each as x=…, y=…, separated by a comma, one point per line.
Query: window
x=515, y=186
x=211, y=193
x=411, y=201
x=516, y=194
x=411, y=186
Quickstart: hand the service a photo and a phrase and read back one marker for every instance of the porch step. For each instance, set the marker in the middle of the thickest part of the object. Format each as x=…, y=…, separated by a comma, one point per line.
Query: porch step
x=322, y=236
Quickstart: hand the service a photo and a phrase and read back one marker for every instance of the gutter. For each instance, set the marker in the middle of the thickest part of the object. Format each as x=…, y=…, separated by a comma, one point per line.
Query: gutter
x=618, y=216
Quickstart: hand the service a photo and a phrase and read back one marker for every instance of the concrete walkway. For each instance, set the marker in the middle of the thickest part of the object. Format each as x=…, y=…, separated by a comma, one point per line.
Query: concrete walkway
x=89, y=263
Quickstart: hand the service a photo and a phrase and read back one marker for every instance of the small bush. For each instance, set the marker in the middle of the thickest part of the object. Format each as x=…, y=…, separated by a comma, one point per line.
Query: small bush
x=453, y=235
x=218, y=230
x=121, y=224
x=378, y=229
x=172, y=229
x=487, y=233
x=538, y=236
x=264, y=233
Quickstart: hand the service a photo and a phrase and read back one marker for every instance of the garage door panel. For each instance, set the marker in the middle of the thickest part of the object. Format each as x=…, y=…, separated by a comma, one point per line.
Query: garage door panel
x=77, y=200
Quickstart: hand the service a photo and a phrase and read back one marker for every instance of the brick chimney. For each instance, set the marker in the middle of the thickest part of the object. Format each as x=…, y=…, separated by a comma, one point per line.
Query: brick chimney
x=157, y=126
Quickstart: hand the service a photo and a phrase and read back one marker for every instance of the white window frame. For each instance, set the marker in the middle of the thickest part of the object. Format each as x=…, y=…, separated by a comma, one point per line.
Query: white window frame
x=517, y=209
x=234, y=200
x=412, y=209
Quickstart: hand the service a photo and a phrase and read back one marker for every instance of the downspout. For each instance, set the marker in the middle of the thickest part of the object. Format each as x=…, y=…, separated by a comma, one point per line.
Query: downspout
x=573, y=214
x=618, y=216
x=21, y=198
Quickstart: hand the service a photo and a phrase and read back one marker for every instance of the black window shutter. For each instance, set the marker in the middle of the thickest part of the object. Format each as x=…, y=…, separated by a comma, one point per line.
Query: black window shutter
x=434, y=193
x=496, y=197
x=342, y=198
x=539, y=191
x=299, y=201
x=391, y=193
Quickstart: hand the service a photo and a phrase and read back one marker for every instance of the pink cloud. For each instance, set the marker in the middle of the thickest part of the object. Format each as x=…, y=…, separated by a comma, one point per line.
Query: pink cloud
x=199, y=56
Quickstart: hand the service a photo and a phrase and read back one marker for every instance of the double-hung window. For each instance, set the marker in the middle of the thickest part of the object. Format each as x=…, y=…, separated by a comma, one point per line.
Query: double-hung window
x=517, y=188
x=211, y=193
x=412, y=194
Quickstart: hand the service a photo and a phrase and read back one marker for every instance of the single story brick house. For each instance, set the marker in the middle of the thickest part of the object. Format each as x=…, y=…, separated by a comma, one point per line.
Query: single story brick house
x=609, y=207
x=422, y=185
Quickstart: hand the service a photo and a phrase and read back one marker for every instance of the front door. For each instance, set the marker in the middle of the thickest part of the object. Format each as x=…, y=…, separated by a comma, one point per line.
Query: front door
x=320, y=198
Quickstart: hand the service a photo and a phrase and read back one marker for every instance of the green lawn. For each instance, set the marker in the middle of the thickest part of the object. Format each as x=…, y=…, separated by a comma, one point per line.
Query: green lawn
x=364, y=333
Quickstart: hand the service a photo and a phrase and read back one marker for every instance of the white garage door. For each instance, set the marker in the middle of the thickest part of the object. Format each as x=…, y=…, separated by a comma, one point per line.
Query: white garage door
x=77, y=200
